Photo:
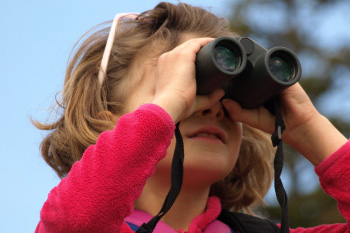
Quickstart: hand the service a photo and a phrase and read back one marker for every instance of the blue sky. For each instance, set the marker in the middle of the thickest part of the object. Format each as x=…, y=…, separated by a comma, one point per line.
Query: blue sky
x=36, y=39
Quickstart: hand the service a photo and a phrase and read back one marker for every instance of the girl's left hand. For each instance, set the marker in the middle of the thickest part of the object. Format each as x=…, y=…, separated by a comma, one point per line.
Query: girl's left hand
x=307, y=130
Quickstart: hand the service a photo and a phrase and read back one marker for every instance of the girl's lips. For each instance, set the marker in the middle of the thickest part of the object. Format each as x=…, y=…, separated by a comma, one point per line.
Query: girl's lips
x=210, y=132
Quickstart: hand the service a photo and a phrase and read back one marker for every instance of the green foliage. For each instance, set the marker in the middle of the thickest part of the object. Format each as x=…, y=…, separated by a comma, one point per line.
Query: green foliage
x=307, y=210
x=326, y=69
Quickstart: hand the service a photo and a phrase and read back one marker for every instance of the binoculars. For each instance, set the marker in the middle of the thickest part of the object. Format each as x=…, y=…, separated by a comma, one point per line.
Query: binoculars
x=249, y=73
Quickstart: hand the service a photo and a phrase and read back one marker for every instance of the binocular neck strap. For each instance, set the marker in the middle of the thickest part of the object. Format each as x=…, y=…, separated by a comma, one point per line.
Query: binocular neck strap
x=176, y=183
x=278, y=165
x=177, y=177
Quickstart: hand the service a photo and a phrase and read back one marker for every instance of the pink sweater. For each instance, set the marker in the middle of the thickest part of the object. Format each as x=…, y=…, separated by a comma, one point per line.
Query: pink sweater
x=99, y=191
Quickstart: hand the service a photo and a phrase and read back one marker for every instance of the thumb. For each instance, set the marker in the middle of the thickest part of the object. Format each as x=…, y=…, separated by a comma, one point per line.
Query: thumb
x=259, y=118
x=207, y=101
x=202, y=102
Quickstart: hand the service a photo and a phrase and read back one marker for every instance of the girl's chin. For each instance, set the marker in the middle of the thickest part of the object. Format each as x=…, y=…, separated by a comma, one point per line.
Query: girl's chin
x=209, y=175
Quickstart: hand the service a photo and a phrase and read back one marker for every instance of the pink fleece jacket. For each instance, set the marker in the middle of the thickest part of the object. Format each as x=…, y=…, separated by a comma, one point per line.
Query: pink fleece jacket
x=99, y=191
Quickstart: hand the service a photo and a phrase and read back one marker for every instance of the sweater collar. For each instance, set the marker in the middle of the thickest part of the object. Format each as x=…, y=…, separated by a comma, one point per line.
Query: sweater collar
x=203, y=223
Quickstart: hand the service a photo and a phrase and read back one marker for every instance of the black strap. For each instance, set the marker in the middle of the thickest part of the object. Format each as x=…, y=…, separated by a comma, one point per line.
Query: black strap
x=278, y=165
x=244, y=223
x=177, y=176
x=176, y=183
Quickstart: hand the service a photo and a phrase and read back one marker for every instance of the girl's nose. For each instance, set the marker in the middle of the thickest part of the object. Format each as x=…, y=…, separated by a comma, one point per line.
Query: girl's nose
x=215, y=111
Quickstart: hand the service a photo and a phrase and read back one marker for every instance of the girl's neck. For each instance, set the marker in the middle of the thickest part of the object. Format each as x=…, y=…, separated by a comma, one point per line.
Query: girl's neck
x=190, y=203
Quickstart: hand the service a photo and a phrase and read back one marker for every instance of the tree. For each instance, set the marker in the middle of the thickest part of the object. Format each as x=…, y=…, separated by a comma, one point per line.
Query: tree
x=316, y=30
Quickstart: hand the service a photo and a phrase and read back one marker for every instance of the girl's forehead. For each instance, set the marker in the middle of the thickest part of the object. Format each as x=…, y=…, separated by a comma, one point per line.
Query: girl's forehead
x=189, y=35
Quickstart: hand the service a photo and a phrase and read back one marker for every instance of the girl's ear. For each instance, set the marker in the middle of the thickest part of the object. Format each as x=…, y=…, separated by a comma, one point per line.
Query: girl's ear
x=109, y=115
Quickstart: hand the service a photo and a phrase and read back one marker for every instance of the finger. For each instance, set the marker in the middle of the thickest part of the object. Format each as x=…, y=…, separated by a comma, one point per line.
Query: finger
x=296, y=102
x=259, y=118
x=194, y=44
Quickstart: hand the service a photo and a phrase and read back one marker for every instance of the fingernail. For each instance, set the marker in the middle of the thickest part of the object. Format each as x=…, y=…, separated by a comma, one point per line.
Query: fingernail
x=224, y=101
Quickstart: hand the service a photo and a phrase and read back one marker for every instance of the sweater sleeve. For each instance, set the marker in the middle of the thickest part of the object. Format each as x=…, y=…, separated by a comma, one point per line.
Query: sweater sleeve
x=334, y=175
x=100, y=189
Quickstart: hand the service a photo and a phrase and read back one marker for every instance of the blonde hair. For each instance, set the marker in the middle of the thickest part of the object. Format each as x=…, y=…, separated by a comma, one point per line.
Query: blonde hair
x=84, y=99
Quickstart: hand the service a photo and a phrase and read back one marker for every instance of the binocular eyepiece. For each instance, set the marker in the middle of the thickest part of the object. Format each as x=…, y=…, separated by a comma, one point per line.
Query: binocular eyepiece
x=249, y=73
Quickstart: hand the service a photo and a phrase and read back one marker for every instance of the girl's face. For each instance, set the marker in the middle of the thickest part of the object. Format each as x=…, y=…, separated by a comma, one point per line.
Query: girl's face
x=212, y=143
x=211, y=139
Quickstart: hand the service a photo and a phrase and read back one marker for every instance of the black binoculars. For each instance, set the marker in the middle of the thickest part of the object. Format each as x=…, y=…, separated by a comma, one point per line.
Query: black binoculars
x=249, y=73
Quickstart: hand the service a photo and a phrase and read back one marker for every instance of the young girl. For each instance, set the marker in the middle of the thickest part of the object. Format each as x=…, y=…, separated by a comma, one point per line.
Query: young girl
x=114, y=143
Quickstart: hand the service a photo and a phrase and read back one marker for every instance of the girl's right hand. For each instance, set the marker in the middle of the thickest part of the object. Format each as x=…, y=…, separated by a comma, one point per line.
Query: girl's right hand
x=176, y=87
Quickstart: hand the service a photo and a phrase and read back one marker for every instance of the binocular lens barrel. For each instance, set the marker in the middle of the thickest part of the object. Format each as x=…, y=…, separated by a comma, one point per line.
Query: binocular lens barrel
x=282, y=67
x=249, y=73
x=226, y=58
